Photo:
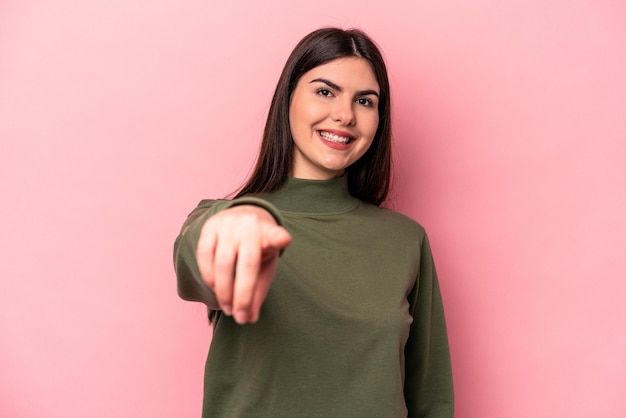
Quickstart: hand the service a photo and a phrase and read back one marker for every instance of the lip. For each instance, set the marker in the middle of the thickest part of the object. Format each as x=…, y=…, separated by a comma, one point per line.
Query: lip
x=336, y=145
x=338, y=133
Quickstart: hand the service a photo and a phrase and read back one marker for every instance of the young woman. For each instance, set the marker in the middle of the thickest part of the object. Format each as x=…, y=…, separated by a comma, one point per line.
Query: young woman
x=323, y=303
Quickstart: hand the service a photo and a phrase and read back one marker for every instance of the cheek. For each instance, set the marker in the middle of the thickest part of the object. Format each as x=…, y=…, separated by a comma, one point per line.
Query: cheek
x=368, y=129
x=371, y=125
x=302, y=115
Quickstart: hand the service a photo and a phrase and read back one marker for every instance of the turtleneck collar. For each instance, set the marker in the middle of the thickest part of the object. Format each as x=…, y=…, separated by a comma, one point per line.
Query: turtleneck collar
x=313, y=196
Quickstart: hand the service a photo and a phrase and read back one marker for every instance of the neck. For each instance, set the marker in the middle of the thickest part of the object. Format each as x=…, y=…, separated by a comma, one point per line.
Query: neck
x=313, y=196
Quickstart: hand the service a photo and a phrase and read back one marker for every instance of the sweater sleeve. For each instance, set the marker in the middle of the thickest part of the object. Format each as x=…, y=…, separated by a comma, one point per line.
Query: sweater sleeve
x=190, y=284
x=428, y=388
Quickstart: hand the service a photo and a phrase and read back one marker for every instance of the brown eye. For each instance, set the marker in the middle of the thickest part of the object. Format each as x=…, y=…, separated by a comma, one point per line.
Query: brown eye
x=324, y=92
x=365, y=102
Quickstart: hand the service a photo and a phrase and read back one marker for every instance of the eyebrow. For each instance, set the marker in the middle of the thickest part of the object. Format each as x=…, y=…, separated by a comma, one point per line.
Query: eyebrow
x=338, y=88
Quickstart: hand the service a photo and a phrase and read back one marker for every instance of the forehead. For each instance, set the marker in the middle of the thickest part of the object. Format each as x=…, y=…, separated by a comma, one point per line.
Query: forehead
x=347, y=72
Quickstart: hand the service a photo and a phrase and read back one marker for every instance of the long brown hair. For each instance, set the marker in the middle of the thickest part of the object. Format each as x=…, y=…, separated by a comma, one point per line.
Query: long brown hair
x=369, y=178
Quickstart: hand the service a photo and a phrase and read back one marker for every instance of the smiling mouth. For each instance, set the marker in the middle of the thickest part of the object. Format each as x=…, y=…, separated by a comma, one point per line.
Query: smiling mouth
x=335, y=138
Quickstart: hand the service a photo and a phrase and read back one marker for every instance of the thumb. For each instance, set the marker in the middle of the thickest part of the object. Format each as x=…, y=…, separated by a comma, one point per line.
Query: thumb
x=277, y=237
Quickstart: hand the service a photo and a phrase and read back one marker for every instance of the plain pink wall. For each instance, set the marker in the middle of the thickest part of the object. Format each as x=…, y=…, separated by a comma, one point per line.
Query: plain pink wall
x=117, y=117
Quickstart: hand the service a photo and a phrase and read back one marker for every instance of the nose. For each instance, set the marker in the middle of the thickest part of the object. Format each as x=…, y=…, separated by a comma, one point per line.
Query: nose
x=343, y=112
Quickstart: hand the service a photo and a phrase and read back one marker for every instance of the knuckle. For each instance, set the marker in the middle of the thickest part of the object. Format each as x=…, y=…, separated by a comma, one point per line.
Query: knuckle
x=204, y=246
x=210, y=282
x=223, y=298
x=248, y=263
x=223, y=291
x=223, y=261
x=244, y=296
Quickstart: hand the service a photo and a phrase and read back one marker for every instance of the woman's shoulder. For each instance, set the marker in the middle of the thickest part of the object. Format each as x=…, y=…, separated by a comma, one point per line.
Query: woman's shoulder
x=392, y=219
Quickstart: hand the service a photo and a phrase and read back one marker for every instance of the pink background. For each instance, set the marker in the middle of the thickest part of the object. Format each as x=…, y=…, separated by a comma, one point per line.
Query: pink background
x=117, y=117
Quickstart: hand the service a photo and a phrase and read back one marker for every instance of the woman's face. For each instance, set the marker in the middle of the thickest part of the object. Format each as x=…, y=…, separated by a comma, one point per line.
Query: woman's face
x=333, y=117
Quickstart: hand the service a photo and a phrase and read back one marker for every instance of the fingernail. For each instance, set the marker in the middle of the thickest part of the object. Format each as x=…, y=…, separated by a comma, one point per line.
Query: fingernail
x=227, y=309
x=241, y=316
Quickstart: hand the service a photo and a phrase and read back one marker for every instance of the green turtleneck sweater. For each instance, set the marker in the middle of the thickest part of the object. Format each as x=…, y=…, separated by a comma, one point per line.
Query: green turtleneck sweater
x=353, y=325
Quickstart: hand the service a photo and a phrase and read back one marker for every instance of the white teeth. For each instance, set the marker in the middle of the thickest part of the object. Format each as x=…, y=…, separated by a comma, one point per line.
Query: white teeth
x=334, y=138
